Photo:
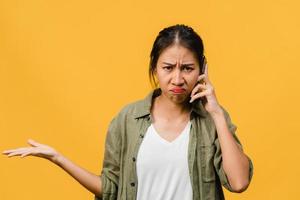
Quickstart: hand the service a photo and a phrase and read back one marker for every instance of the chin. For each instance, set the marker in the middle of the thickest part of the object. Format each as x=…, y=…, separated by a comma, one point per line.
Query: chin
x=179, y=99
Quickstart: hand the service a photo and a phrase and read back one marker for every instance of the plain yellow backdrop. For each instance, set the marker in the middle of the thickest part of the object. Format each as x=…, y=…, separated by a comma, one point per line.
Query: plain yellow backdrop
x=67, y=67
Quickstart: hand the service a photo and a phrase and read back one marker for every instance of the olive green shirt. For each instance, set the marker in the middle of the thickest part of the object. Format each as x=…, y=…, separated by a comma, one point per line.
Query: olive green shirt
x=125, y=135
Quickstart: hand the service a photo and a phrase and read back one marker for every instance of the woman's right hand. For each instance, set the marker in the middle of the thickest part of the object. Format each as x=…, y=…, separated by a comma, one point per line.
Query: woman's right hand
x=89, y=180
x=36, y=149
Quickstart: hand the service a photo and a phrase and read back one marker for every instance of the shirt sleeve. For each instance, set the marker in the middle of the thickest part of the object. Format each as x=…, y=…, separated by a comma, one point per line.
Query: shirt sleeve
x=218, y=155
x=111, y=163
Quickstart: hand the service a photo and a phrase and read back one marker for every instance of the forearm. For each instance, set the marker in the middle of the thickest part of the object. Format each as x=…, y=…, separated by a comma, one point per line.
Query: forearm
x=90, y=181
x=235, y=162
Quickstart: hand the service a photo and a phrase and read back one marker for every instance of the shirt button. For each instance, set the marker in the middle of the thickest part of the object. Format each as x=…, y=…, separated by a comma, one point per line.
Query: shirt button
x=132, y=184
x=133, y=159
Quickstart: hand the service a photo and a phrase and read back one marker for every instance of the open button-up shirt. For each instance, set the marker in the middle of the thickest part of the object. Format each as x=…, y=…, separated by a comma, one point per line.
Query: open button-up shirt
x=125, y=135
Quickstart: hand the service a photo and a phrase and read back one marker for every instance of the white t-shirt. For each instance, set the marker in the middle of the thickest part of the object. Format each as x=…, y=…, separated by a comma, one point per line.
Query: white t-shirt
x=162, y=167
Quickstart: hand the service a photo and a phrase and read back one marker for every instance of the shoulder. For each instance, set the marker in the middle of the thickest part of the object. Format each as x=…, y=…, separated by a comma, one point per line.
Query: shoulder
x=141, y=107
x=132, y=109
x=125, y=119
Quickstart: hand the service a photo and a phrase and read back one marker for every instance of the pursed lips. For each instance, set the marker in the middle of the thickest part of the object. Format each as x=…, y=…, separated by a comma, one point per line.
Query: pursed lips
x=178, y=90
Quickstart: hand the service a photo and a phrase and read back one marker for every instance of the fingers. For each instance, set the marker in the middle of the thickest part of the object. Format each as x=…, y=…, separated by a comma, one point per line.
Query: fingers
x=14, y=150
x=35, y=149
x=26, y=153
x=201, y=86
x=33, y=143
x=206, y=69
x=197, y=88
x=198, y=95
x=23, y=151
x=20, y=151
x=203, y=78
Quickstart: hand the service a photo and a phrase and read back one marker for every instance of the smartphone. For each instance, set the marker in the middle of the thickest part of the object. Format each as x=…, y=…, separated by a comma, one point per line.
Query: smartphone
x=204, y=61
x=202, y=71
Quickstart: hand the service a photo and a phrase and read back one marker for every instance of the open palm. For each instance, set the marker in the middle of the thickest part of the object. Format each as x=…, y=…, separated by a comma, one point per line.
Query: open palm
x=36, y=149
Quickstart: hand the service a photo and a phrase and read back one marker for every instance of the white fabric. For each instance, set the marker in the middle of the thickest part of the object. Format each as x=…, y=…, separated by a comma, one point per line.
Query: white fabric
x=162, y=167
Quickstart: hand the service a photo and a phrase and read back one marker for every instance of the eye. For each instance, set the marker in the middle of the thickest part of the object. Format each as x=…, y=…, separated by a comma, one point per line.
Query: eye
x=187, y=69
x=167, y=68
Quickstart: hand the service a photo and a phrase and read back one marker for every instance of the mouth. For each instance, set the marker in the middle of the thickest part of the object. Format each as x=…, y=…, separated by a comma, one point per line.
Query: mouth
x=178, y=90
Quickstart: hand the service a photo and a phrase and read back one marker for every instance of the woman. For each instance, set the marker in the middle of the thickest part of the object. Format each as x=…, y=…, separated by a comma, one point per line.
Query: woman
x=177, y=143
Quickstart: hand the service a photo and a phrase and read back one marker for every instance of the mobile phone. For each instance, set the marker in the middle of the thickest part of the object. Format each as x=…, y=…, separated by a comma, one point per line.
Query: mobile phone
x=204, y=61
x=202, y=71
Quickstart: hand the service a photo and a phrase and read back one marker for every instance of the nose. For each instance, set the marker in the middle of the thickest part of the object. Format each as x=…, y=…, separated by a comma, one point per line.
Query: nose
x=177, y=78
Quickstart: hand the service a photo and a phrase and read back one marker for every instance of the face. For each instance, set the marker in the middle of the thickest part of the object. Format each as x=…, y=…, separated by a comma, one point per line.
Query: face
x=177, y=71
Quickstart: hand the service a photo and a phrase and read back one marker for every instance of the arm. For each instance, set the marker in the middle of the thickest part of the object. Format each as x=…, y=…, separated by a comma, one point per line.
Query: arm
x=88, y=180
x=235, y=163
x=104, y=186
x=234, y=168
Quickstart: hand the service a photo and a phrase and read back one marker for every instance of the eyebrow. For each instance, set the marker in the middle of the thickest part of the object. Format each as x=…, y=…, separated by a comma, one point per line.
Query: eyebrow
x=186, y=64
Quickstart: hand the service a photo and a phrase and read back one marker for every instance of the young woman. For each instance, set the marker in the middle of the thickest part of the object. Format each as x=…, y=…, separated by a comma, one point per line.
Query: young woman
x=176, y=144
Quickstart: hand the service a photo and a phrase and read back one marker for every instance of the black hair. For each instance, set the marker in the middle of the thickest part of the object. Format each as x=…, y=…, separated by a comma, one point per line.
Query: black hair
x=181, y=34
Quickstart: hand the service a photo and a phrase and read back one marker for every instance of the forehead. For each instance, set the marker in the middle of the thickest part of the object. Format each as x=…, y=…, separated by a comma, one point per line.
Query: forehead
x=177, y=52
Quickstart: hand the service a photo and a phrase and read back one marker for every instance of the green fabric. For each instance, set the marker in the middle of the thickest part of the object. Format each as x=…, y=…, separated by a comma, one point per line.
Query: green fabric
x=124, y=137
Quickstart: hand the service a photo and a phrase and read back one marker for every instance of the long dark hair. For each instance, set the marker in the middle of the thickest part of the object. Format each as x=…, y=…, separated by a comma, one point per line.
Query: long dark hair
x=181, y=34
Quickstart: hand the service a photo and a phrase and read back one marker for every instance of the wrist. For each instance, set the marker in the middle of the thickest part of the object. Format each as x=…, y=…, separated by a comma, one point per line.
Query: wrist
x=216, y=112
x=57, y=158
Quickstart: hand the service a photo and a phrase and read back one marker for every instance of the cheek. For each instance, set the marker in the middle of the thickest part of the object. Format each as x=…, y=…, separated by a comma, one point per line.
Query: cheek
x=162, y=78
x=194, y=79
x=193, y=82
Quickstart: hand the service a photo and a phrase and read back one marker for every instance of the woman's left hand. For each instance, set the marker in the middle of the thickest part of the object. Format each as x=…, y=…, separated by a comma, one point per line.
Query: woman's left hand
x=205, y=90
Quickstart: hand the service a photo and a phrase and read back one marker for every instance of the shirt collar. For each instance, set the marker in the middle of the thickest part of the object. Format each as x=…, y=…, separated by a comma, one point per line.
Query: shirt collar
x=144, y=106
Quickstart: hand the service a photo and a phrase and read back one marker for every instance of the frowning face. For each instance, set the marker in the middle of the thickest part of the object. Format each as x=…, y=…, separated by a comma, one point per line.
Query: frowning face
x=177, y=71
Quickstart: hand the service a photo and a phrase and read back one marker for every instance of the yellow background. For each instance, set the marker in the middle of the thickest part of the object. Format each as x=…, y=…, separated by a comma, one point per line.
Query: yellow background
x=67, y=67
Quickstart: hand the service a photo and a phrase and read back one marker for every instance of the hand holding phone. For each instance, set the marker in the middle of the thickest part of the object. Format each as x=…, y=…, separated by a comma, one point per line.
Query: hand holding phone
x=201, y=71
